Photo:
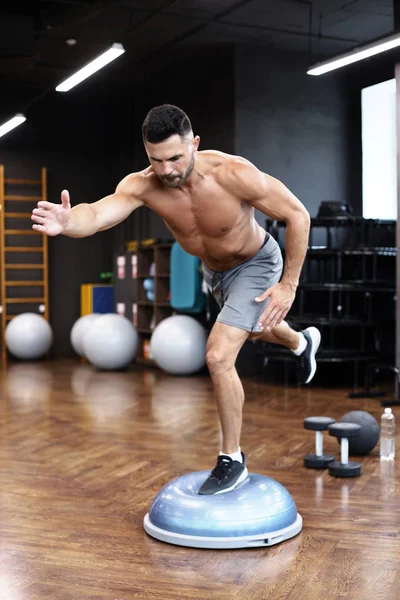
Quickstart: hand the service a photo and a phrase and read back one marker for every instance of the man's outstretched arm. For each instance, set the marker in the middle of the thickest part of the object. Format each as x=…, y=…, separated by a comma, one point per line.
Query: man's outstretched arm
x=86, y=219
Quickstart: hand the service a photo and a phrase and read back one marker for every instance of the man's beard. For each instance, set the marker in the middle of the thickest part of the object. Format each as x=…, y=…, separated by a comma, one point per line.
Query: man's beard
x=179, y=180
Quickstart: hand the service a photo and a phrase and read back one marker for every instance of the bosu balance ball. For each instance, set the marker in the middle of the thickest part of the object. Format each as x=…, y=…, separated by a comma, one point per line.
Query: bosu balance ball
x=28, y=336
x=178, y=345
x=369, y=432
x=111, y=342
x=259, y=512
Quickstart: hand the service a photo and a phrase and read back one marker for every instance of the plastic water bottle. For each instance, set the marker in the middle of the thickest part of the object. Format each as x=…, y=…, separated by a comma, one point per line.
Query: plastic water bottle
x=387, y=435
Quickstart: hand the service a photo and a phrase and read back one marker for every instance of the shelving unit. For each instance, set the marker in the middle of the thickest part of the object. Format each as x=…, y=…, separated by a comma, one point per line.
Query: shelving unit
x=148, y=261
x=347, y=289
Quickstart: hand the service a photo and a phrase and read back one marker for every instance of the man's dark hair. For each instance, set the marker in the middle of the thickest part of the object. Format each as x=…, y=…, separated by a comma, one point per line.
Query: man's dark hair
x=163, y=121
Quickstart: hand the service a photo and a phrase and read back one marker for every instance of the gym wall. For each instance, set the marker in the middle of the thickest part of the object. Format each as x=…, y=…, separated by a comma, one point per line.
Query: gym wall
x=88, y=142
x=203, y=86
x=291, y=125
x=70, y=140
x=303, y=130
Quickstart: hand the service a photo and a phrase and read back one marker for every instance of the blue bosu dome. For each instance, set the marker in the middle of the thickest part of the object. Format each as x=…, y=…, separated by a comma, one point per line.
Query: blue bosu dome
x=259, y=512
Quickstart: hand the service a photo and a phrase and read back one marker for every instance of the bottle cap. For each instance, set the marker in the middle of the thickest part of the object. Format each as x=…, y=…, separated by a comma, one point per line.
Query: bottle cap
x=388, y=411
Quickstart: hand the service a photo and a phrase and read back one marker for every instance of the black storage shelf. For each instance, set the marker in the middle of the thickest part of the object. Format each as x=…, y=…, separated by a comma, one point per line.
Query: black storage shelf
x=324, y=355
x=324, y=251
x=347, y=289
x=322, y=320
x=349, y=286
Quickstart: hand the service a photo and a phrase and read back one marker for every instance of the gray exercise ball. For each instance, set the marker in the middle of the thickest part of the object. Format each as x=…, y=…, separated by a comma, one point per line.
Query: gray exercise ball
x=28, y=336
x=79, y=329
x=111, y=342
x=178, y=345
x=369, y=433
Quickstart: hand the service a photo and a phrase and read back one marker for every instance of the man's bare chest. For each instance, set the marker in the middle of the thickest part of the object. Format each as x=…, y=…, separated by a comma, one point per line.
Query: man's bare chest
x=209, y=211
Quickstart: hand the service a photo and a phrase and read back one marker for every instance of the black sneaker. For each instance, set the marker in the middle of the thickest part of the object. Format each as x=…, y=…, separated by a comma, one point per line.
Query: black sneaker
x=225, y=476
x=306, y=363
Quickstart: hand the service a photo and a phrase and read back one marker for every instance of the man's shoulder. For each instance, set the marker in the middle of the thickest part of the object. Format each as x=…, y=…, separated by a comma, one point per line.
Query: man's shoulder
x=222, y=158
x=139, y=183
x=228, y=168
x=222, y=162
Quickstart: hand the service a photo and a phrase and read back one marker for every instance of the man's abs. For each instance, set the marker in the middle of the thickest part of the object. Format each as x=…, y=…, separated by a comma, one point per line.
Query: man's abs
x=225, y=252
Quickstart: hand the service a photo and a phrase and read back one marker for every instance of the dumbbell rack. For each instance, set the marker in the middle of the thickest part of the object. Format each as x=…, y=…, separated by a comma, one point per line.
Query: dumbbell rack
x=347, y=289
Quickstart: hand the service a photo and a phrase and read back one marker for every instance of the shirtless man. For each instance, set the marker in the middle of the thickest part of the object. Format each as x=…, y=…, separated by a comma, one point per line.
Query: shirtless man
x=207, y=201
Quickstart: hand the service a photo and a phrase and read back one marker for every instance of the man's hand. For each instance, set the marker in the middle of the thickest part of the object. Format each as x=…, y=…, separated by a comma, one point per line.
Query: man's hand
x=50, y=218
x=281, y=297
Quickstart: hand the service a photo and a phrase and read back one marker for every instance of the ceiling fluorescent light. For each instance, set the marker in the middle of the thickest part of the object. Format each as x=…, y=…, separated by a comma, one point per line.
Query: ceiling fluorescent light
x=355, y=55
x=14, y=122
x=96, y=64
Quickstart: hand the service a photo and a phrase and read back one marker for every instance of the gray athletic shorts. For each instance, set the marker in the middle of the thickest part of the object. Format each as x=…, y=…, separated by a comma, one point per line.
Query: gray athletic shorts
x=235, y=290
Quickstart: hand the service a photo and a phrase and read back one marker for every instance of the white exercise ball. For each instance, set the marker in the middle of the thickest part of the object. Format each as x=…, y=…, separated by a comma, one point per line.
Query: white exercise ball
x=79, y=328
x=178, y=345
x=28, y=336
x=111, y=343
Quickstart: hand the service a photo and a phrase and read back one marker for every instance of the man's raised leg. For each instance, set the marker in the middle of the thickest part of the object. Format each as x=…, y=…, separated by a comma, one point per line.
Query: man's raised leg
x=304, y=344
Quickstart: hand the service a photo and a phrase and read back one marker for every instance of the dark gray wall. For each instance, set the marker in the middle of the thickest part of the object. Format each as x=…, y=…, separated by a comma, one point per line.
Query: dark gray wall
x=203, y=86
x=89, y=141
x=71, y=142
x=292, y=126
x=304, y=130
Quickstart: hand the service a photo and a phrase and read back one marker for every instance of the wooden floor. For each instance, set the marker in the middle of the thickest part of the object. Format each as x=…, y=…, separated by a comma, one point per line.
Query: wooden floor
x=82, y=454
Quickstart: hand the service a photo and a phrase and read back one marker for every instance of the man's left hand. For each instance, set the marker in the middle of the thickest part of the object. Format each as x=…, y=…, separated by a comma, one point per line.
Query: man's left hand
x=281, y=297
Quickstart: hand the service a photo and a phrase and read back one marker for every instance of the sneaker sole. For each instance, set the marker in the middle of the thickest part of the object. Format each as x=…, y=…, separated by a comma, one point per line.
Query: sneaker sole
x=232, y=487
x=316, y=340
